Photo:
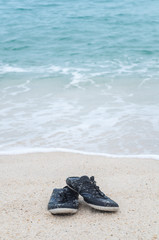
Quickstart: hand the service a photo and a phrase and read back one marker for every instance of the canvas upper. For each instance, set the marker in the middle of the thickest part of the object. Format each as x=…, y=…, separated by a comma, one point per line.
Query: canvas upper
x=63, y=198
x=91, y=193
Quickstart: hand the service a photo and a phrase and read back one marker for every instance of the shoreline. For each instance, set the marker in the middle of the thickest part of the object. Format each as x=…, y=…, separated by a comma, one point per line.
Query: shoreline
x=66, y=150
x=27, y=180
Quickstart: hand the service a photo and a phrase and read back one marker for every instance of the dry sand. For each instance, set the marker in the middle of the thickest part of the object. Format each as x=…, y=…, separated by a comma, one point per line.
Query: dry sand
x=26, y=182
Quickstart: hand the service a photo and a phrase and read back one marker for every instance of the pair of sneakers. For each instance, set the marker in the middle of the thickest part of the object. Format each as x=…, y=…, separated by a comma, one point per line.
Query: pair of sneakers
x=65, y=200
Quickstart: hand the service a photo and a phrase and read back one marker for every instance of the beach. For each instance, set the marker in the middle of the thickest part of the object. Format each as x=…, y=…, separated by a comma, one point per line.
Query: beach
x=27, y=181
x=79, y=95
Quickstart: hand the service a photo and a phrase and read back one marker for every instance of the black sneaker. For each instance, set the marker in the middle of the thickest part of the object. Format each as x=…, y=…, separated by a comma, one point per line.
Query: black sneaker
x=91, y=193
x=63, y=200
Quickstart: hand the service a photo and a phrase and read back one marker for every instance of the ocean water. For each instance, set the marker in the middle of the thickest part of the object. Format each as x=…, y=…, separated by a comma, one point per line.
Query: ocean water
x=81, y=75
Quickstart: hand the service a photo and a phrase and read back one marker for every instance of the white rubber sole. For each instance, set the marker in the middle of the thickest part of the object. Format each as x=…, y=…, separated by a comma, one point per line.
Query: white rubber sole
x=63, y=211
x=102, y=208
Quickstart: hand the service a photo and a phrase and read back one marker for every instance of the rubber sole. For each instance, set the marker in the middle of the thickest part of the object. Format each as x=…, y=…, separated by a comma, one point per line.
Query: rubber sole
x=63, y=211
x=102, y=208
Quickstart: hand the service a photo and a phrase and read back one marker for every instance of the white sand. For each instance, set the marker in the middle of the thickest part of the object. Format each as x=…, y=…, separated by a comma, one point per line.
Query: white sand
x=26, y=182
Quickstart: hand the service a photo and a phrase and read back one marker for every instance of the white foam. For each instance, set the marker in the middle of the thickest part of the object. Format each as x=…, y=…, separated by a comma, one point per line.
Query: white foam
x=112, y=115
x=9, y=69
x=65, y=150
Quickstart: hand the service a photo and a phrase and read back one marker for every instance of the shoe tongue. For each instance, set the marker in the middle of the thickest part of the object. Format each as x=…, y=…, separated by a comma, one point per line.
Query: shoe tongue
x=84, y=178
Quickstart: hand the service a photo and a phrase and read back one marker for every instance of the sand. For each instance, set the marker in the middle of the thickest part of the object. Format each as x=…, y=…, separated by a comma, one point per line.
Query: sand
x=26, y=183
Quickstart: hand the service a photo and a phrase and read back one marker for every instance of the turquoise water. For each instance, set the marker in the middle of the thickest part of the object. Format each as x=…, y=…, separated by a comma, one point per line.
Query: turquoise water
x=80, y=75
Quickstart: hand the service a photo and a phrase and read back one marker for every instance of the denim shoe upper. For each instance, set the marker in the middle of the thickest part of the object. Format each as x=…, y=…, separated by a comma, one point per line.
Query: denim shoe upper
x=91, y=193
x=63, y=198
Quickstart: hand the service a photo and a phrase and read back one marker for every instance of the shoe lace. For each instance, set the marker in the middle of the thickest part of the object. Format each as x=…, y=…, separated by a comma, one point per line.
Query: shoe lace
x=95, y=188
x=66, y=196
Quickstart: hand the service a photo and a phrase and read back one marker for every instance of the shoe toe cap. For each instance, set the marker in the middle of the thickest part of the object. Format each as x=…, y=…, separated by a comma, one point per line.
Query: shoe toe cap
x=111, y=203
